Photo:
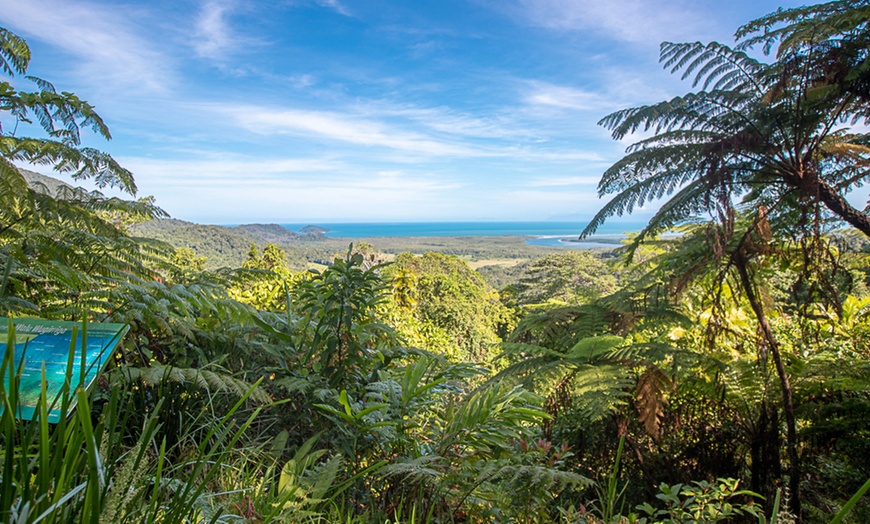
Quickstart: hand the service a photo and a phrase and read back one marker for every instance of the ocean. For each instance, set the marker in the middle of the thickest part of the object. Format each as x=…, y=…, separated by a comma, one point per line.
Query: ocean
x=544, y=233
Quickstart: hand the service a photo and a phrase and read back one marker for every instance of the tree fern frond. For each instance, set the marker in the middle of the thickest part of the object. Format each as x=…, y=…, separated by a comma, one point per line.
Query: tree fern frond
x=795, y=27
x=599, y=391
x=655, y=186
x=651, y=387
x=709, y=111
x=14, y=53
x=682, y=207
x=205, y=379
x=709, y=63
x=83, y=163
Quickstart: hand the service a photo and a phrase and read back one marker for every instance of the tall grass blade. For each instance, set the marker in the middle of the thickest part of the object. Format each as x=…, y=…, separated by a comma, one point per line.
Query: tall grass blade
x=851, y=503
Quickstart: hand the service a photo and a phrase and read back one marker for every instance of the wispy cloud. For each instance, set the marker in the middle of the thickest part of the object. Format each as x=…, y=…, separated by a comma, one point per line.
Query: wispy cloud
x=212, y=35
x=233, y=169
x=452, y=122
x=628, y=20
x=564, y=97
x=531, y=202
x=108, y=52
x=341, y=127
x=216, y=39
x=564, y=181
x=285, y=188
x=335, y=5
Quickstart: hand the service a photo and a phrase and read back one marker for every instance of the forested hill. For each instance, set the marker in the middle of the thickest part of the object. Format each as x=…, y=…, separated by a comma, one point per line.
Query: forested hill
x=222, y=246
x=228, y=246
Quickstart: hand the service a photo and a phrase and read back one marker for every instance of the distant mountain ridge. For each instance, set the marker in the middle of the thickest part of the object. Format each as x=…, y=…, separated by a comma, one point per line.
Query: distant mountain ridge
x=44, y=184
x=223, y=246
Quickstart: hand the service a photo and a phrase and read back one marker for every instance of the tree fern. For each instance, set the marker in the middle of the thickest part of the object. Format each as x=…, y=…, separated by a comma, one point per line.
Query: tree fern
x=206, y=379
x=61, y=116
x=758, y=126
x=14, y=53
x=795, y=27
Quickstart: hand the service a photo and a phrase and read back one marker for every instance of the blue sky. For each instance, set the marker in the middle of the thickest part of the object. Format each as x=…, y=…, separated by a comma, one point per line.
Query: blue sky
x=232, y=111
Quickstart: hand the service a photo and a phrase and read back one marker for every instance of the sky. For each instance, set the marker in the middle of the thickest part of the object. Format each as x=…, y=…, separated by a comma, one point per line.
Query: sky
x=291, y=111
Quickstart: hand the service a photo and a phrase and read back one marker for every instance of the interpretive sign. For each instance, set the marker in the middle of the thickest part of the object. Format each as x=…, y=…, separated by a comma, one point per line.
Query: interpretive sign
x=49, y=344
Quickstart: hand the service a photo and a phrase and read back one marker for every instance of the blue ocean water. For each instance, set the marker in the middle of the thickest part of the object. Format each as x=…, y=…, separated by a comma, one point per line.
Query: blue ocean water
x=546, y=233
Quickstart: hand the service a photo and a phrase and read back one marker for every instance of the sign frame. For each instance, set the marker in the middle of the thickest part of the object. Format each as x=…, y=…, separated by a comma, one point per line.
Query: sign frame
x=46, y=348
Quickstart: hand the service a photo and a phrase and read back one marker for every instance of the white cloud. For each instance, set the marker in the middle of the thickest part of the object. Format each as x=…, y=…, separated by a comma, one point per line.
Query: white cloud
x=639, y=21
x=106, y=49
x=212, y=34
x=335, y=5
x=446, y=120
x=573, y=155
x=216, y=39
x=223, y=169
x=342, y=128
x=541, y=203
x=410, y=134
x=564, y=181
x=284, y=189
x=564, y=97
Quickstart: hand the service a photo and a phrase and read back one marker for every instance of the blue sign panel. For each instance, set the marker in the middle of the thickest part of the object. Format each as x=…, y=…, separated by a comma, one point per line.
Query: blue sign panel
x=49, y=344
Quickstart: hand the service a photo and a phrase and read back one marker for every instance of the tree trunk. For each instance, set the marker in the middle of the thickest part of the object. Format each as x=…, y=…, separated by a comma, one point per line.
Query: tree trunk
x=766, y=469
x=841, y=207
x=785, y=385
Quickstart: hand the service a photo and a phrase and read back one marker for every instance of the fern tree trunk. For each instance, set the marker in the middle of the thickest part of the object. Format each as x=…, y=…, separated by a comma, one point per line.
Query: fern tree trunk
x=765, y=452
x=841, y=207
x=784, y=382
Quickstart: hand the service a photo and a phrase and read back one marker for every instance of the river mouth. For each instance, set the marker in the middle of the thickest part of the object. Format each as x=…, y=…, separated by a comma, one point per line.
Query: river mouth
x=571, y=242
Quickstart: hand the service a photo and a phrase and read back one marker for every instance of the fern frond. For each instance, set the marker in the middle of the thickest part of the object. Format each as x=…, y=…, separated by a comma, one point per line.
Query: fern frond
x=651, y=387
x=655, y=186
x=799, y=26
x=713, y=64
x=81, y=163
x=204, y=379
x=423, y=469
x=14, y=53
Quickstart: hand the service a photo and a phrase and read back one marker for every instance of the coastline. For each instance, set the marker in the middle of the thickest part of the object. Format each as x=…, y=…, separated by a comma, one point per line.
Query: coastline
x=535, y=230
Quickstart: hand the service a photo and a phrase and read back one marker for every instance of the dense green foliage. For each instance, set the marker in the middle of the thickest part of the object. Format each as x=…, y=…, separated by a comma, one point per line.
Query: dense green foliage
x=570, y=278
x=719, y=375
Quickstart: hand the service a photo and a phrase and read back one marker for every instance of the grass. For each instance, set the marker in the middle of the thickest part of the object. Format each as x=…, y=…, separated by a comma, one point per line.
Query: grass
x=90, y=467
